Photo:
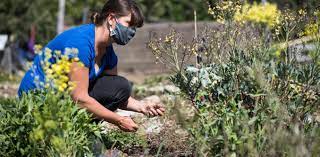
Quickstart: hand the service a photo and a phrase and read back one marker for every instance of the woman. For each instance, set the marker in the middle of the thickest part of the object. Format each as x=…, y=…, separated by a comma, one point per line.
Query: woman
x=98, y=87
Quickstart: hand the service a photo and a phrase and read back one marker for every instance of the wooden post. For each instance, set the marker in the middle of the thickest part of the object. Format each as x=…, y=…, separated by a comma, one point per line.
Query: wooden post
x=6, y=62
x=85, y=12
x=195, y=25
x=61, y=12
x=196, y=36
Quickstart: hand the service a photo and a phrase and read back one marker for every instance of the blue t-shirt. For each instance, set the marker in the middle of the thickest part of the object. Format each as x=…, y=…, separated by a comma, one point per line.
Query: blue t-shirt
x=82, y=38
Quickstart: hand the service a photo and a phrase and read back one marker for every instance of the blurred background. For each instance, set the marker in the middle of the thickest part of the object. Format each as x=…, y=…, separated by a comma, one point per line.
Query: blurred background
x=25, y=23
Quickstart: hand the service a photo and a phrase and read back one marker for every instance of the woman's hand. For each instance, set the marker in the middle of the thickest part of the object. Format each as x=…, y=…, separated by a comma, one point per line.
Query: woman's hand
x=152, y=109
x=148, y=108
x=127, y=124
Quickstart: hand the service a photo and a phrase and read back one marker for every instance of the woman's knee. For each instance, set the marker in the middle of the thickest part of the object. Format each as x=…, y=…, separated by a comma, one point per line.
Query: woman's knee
x=124, y=89
x=111, y=91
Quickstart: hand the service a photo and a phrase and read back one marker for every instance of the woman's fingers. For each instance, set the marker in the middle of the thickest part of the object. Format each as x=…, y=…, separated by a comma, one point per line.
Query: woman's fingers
x=133, y=124
x=150, y=113
x=127, y=124
x=160, y=112
x=155, y=109
x=155, y=113
x=159, y=106
x=135, y=127
x=162, y=109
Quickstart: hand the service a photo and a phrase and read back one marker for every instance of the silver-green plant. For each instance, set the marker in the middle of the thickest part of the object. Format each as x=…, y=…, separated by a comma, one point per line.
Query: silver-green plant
x=249, y=101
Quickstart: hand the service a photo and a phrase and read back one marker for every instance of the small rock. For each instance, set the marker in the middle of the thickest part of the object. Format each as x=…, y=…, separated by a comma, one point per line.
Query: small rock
x=114, y=153
x=153, y=99
x=156, y=89
x=317, y=119
x=106, y=126
x=127, y=113
x=153, y=126
x=171, y=89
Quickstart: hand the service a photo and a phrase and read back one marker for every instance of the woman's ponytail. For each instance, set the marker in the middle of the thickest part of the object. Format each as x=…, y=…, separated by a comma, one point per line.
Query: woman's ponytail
x=96, y=18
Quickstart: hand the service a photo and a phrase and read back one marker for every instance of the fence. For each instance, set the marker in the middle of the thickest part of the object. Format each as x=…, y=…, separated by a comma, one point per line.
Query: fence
x=136, y=57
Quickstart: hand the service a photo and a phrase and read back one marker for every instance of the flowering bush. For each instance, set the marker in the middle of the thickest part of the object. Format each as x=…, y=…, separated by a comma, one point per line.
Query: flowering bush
x=313, y=28
x=266, y=14
x=248, y=101
x=56, y=66
x=46, y=124
x=224, y=10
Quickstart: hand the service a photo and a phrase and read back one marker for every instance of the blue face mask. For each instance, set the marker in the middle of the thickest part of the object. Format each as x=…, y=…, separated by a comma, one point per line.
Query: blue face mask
x=122, y=34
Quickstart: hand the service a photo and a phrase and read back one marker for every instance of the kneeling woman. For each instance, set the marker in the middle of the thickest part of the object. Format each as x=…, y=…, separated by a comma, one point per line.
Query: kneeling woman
x=98, y=87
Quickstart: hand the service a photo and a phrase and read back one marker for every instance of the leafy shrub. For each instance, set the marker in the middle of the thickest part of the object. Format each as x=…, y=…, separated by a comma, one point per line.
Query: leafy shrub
x=46, y=124
x=249, y=101
x=267, y=14
x=49, y=123
x=127, y=142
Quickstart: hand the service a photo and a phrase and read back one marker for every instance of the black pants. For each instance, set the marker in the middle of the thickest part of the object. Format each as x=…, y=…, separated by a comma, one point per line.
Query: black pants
x=111, y=91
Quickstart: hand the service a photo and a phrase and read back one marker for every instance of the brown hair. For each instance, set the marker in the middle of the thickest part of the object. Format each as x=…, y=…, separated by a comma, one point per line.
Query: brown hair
x=119, y=8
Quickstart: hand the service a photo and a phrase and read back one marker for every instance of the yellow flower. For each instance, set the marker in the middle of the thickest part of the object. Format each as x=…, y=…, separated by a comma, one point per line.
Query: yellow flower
x=49, y=71
x=47, y=85
x=56, y=68
x=311, y=29
x=57, y=73
x=64, y=85
x=61, y=89
x=76, y=59
x=38, y=134
x=64, y=78
x=267, y=14
x=50, y=124
x=210, y=11
x=37, y=49
x=302, y=12
x=65, y=58
x=58, y=53
x=278, y=53
x=57, y=142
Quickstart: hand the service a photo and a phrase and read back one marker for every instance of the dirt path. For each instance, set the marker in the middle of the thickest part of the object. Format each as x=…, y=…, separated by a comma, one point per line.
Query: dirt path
x=8, y=89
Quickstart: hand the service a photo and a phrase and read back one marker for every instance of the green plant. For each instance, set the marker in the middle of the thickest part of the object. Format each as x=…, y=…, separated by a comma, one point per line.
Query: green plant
x=127, y=142
x=45, y=124
x=4, y=77
x=248, y=101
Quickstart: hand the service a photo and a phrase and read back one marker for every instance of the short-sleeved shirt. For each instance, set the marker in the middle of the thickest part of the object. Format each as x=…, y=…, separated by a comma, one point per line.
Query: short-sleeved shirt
x=81, y=38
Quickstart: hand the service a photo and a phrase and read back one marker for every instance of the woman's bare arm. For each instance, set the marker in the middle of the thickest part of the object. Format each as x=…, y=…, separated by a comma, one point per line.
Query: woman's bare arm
x=138, y=106
x=152, y=109
x=80, y=76
x=133, y=105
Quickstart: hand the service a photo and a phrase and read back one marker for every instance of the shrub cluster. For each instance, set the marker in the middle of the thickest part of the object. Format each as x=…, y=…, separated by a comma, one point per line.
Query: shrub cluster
x=251, y=98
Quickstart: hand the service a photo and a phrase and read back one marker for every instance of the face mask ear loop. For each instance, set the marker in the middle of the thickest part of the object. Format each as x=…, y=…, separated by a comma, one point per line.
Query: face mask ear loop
x=112, y=32
x=116, y=19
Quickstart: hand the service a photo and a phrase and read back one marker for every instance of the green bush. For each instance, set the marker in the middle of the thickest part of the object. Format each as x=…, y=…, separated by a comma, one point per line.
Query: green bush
x=45, y=124
x=249, y=100
x=49, y=123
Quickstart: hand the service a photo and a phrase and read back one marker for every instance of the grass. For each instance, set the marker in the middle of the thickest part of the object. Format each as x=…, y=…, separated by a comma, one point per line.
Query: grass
x=5, y=78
